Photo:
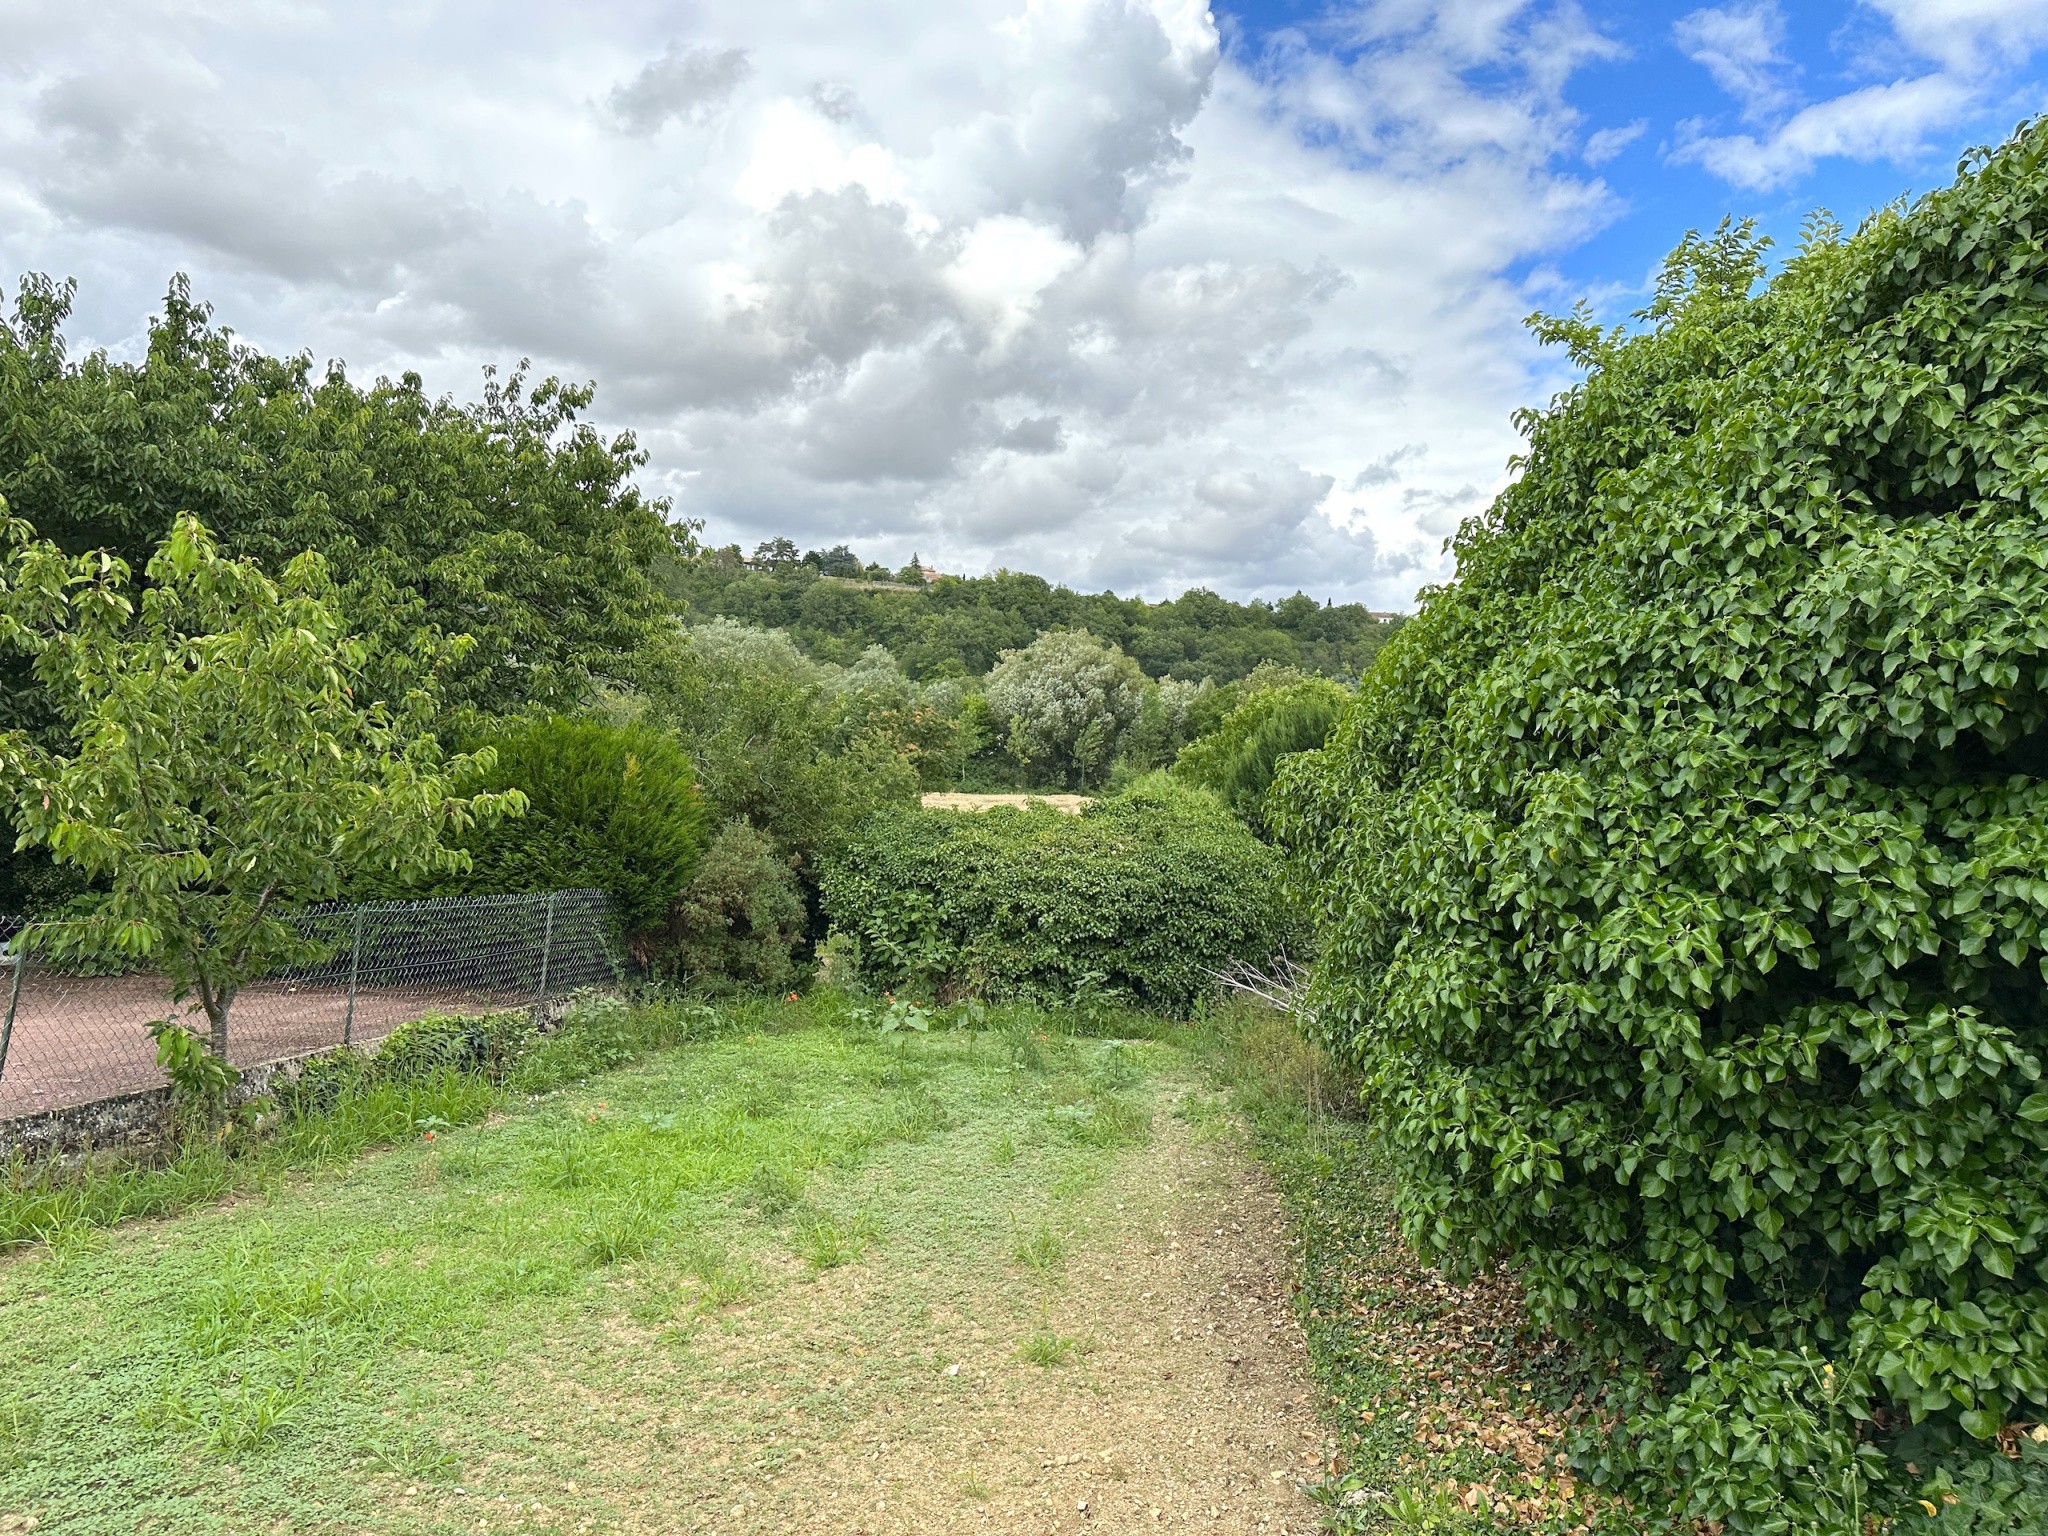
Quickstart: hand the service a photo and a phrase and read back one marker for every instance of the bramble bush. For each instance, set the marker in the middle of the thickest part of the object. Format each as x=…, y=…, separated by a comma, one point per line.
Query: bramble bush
x=742, y=918
x=1683, y=867
x=1143, y=894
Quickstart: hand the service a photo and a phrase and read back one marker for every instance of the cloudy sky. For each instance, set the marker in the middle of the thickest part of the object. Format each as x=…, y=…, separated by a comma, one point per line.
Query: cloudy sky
x=1132, y=293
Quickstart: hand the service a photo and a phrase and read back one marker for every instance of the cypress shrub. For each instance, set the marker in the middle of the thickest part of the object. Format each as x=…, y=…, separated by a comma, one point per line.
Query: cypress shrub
x=1683, y=867
x=609, y=807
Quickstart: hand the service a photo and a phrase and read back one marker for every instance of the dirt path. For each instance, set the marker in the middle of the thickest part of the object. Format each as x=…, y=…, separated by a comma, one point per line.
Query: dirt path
x=1189, y=1407
x=847, y=1405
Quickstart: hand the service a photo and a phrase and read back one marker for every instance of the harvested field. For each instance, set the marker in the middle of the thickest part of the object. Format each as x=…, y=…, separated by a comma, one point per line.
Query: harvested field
x=950, y=801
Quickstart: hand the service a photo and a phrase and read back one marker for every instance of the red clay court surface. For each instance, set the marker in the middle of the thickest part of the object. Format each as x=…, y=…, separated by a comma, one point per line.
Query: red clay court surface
x=78, y=1039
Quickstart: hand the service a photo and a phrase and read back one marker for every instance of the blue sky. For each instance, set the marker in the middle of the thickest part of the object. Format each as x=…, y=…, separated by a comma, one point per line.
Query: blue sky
x=1130, y=293
x=1670, y=76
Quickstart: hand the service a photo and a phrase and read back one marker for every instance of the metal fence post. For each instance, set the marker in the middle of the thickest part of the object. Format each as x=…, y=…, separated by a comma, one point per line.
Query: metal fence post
x=547, y=945
x=13, y=995
x=355, y=967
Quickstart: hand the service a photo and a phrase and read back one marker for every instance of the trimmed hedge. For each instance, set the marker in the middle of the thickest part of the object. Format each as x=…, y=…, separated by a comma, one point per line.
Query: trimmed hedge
x=1684, y=866
x=1144, y=894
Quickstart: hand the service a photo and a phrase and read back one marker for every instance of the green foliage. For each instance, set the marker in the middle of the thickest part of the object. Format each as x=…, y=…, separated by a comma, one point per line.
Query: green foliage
x=1064, y=705
x=1162, y=727
x=508, y=520
x=609, y=807
x=487, y=1045
x=1986, y=1496
x=1143, y=894
x=221, y=769
x=1759, y=1440
x=873, y=702
x=742, y=917
x=1045, y=1348
x=900, y=1017
x=1240, y=756
x=1680, y=865
x=603, y=1032
x=199, y=1079
x=959, y=626
x=756, y=718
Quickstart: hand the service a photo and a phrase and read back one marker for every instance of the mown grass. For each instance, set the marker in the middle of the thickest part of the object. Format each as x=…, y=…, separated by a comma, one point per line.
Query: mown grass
x=56, y=1203
x=524, y=1311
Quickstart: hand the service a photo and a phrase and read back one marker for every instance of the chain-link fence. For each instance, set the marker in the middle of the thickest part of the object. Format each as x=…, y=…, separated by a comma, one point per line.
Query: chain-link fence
x=71, y=1039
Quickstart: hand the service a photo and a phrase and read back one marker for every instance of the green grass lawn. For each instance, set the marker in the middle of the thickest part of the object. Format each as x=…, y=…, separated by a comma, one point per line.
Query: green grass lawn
x=779, y=1273
x=515, y=1325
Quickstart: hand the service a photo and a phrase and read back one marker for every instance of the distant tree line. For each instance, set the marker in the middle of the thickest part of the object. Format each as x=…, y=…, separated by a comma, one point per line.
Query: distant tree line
x=958, y=626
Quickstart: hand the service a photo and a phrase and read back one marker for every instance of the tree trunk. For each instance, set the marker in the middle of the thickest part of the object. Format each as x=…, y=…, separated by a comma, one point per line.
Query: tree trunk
x=216, y=1001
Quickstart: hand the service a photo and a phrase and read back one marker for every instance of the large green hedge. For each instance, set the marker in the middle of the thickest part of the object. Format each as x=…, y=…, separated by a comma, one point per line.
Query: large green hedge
x=1684, y=865
x=1146, y=894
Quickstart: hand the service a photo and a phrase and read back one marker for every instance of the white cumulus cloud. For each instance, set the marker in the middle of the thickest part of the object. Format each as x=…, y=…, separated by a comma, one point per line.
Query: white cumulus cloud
x=1954, y=56
x=1066, y=285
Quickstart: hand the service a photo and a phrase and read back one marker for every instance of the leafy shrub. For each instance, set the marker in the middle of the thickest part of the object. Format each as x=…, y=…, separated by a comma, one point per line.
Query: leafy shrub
x=1064, y=704
x=610, y=807
x=323, y=1081
x=760, y=722
x=1238, y=760
x=421, y=1051
x=1144, y=894
x=488, y=1044
x=1680, y=866
x=1990, y=1496
x=743, y=915
x=199, y=1080
x=602, y=1032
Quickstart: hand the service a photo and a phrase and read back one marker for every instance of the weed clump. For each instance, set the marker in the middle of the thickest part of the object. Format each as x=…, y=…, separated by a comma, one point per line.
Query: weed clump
x=825, y=1241
x=1047, y=1349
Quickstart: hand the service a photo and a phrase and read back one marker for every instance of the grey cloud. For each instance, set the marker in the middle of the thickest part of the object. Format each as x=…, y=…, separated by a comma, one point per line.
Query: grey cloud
x=1034, y=434
x=835, y=102
x=135, y=153
x=845, y=276
x=1244, y=524
x=686, y=84
x=1385, y=470
x=900, y=416
x=1088, y=149
x=1440, y=511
